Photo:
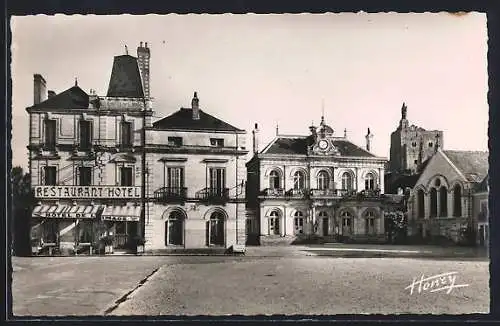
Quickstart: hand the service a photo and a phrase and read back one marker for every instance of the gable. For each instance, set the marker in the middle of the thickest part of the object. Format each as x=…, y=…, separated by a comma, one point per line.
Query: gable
x=183, y=119
x=438, y=164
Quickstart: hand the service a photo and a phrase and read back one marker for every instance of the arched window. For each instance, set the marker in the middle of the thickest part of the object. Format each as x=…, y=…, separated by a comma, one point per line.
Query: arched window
x=346, y=181
x=298, y=180
x=433, y=202
x=274, y=223
x=215, y=229
x=443, y=201
x=323, y=180
x=369, y=181
x=420, y=203
x=174, y=229
x=298, y=222
x=457, y=201
x=346, y=223
x=370, y=223
x=274, y=180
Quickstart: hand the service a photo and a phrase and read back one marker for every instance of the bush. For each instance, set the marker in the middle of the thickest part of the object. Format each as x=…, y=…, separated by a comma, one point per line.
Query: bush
x=139, y=241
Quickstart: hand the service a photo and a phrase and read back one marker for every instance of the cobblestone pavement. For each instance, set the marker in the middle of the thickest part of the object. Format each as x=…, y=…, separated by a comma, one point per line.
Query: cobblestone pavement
x=268, y=280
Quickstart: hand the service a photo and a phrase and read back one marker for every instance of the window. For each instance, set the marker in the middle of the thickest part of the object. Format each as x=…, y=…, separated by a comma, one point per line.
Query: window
x=274, y=223
x=85, y=176
x=443, y=201
x=217, y=181
x=217, y=142
x=126, y=176
x=323, y=216
x=370, y=223
x=85, y=232
x=346, y=223
x=126, y=134
x=323, y=180
x=175, y=180
x=298, y=223
x=175, y=141
x=346, y=181
x=457, y=201
x=415, y=162
x=174, y=229
x=433, y=208
x=298, y=180
x=414, y=144
x=369, y=181
x=85, y=135
x=50, y=134
x=420, y=204
x=274, y=180
x=430, y=144
x=50, y=176
x=437, y=183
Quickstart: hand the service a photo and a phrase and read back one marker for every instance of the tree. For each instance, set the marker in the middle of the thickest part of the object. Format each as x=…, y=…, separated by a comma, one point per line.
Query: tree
x=22, y=204
x=396, y=224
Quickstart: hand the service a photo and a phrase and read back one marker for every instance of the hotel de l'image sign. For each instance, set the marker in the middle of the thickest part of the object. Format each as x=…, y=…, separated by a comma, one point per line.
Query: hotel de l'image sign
x=88, y=192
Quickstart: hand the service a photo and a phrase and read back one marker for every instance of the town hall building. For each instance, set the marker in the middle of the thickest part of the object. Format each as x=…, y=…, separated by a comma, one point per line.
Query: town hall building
x=320, y=184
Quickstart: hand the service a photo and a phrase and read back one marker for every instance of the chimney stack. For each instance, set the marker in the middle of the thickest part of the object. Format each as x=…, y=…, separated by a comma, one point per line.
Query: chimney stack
x=368, y=137
x=143, y=56
x=40, y=89
x=51, y=94
x=195, y=106
x=255, y=133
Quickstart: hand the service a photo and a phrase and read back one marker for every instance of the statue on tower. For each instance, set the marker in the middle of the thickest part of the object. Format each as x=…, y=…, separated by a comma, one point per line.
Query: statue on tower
x=404, y=110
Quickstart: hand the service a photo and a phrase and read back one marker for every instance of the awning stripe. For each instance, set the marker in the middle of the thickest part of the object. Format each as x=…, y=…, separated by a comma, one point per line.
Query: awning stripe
x=66, y=211
x=122, y=213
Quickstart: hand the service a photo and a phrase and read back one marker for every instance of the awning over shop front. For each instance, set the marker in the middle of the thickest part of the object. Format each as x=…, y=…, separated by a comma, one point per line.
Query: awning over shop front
x=121, y=213
x=66, y=211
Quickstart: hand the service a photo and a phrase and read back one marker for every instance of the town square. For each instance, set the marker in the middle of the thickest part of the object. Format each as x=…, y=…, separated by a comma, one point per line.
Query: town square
x=296, y=165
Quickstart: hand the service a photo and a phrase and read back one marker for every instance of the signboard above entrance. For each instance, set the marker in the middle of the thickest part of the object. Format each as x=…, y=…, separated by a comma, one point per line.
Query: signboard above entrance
x=88, y=192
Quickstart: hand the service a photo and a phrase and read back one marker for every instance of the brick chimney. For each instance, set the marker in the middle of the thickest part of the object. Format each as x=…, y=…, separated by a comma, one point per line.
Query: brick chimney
x=195, y=107
x=255, y=133
x=368, y=137
x=143, y=56
x=40, y=89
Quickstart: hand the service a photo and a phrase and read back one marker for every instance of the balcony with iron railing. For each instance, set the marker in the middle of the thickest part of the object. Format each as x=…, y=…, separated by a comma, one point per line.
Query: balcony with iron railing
x=272, y=193
x=297, y=193
x=171, y=194
x=213, y=195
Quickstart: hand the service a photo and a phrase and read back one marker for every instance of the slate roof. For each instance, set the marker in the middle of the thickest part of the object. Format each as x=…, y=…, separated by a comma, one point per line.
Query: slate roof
x=125, y=78
x=72, y=98
x=183, y=119
x=483, y=186
x=298, y=145
x=473, y=164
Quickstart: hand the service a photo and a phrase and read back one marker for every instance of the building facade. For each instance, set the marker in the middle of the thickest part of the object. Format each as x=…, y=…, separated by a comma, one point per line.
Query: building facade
x=443, y=198
x=319, y=185
x=85, y=161
x=102, y=171
x=481, y=213
x=196, y=181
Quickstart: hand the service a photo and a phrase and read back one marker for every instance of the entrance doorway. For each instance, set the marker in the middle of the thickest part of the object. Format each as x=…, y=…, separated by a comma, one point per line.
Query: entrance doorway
x=174, y=229
x=125, y=232
x=325, y=226
x=215, y=230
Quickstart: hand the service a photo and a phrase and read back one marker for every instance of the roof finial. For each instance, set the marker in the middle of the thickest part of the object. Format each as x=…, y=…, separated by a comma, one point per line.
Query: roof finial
x=277, y=129
x=404, y=110
x=126, y=49
x=345, y=132
x=76, y=81
x=322, y=111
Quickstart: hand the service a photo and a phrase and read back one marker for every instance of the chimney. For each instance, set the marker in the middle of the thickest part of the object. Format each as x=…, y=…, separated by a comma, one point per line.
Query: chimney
x=40, y=89
x=255, y=133
x=368, y=137
x=195, y=107
x=143, y=56
x=51, y=94
x=277, y=130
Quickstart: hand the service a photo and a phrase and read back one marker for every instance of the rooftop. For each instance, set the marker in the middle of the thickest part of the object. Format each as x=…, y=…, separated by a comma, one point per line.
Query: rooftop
x=472, y=164
x=183, y=119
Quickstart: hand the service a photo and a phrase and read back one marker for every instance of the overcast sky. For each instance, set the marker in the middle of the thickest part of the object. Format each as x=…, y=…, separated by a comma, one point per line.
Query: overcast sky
x=275, y=69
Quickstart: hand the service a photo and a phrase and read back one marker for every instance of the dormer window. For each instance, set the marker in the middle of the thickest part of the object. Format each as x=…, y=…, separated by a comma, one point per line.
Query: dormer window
x=217, y=142
x=175, y=141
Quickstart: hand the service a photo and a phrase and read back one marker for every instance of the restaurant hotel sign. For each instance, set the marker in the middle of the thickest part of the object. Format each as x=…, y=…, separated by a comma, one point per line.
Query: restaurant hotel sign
x=88, y=192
